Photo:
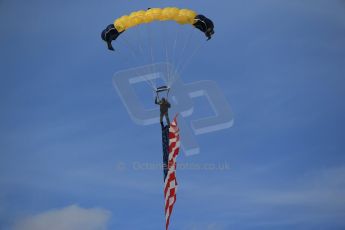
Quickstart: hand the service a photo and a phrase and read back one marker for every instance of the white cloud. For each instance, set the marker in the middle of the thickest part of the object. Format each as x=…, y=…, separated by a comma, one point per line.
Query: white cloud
x=69, y=218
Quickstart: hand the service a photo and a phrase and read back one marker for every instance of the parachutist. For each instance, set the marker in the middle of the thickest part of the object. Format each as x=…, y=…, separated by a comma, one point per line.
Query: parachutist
x=164, y=106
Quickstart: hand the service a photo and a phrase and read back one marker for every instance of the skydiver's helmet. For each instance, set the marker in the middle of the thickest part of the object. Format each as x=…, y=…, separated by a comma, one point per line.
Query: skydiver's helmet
x=163, y=99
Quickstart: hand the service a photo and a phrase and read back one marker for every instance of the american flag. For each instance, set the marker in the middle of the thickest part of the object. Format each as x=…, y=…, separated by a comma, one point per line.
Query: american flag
x=171, y=147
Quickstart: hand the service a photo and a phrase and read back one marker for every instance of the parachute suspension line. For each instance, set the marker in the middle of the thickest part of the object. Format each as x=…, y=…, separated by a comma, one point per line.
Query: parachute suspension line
x=166, y=37
x=174, y=45
x=174, y=55
x=142, y=52
x=170, y=52
x=145, y=75
x=128, y=61
x=139, y=40
x=125, y=54
x=195, y=51
x=152, y=82
x=146, y=50
x=151, y=52
x=181, y=58
x=131, y=49
x=166, y=73
x=165, y=51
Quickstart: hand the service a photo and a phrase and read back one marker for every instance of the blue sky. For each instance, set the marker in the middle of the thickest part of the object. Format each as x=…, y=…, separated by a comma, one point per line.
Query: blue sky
x=64, y=130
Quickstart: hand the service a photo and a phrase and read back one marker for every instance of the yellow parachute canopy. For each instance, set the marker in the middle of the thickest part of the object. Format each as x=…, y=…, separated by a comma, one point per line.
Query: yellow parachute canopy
x=181, y=16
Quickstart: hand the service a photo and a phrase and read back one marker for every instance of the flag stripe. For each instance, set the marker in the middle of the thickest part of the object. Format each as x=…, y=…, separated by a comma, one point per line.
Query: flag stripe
x=171, y=147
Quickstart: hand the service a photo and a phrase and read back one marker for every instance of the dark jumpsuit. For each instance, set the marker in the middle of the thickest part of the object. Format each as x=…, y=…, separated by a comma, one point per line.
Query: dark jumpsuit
x=164, y=106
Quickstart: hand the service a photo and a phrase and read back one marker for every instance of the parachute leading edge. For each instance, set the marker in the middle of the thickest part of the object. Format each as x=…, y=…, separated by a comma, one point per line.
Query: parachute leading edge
x=181, y=16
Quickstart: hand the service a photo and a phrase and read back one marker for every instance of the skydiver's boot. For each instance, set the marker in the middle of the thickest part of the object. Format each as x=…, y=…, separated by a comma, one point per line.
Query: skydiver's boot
x=162, y=125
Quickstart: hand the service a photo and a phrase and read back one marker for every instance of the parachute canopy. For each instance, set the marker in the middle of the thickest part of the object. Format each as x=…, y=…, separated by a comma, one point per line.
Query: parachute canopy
x=181, y=16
